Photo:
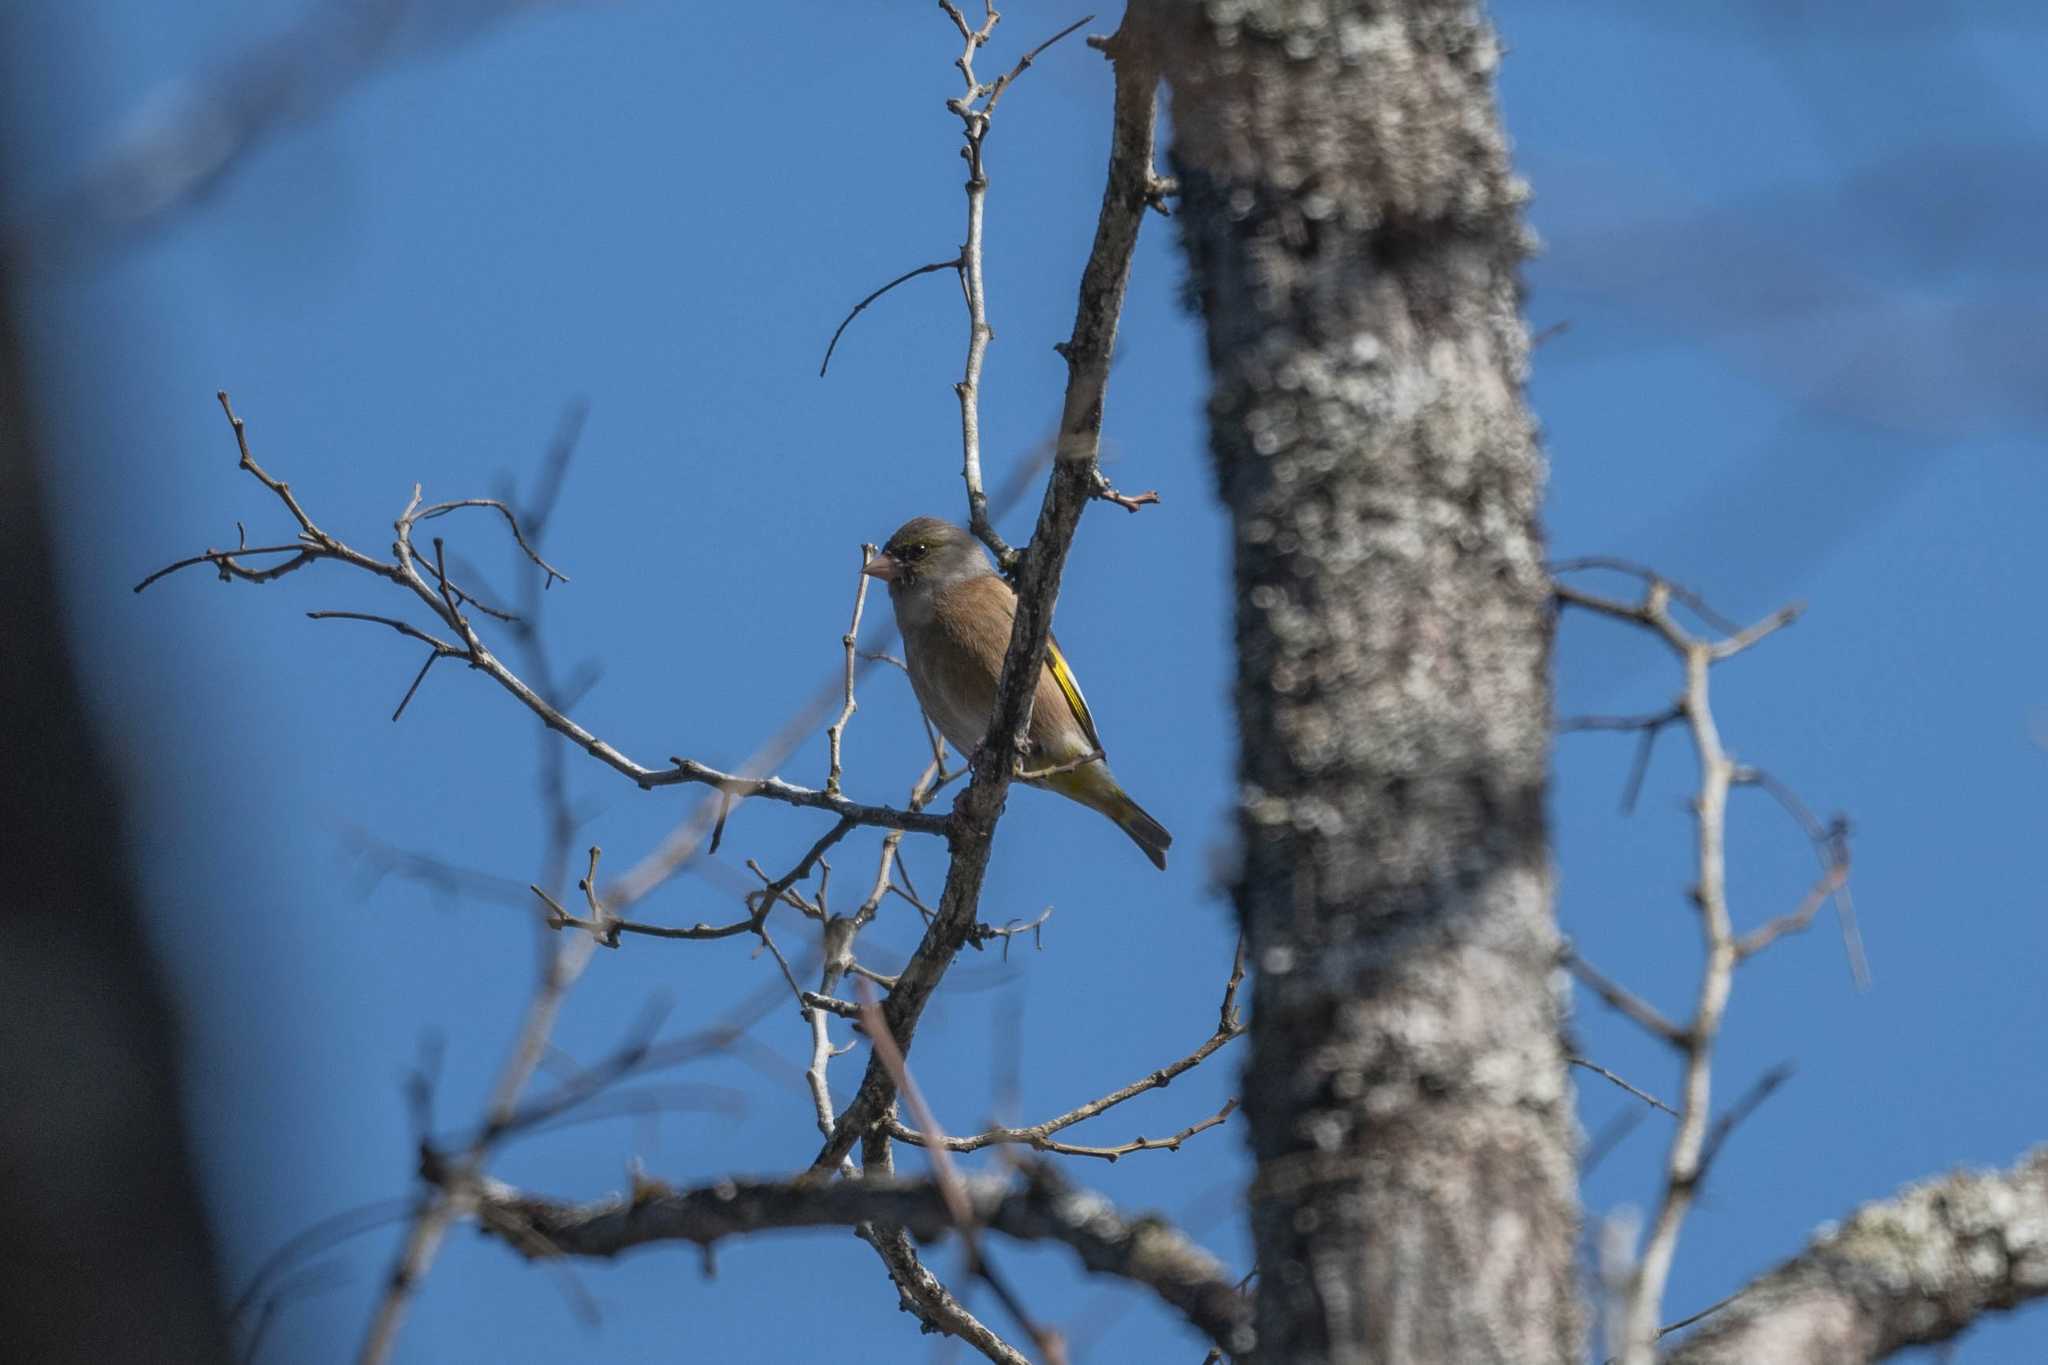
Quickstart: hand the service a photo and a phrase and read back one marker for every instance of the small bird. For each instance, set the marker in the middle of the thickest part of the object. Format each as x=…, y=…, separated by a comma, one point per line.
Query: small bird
x=955, y=612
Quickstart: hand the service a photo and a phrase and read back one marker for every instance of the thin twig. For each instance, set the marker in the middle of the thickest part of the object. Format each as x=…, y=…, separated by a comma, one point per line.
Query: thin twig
x=851, y=640
x=1040, y=774
x=1694, y=1143
x=1037, y=578
x=1762, y=937
x=1830, y=840
x=1645, y=1096
x=1648, y=728
x=444, y=600
x=1648, y=576
x=1608, y=1138
x=226, y=562
x=608, y=932
x=442, y=509
x=1764, y=1087
x=861, y=307
x=681, y=846
x=1024, y=64
x=991, y=933
x=975, y=108
x=323, y=1236
x=1620, y=997
x=1229, y=1027
x=1112, y=1154
x=1130, y=502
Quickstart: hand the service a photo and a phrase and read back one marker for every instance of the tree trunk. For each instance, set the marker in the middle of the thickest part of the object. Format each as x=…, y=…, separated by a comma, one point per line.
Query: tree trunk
x=1354, y=238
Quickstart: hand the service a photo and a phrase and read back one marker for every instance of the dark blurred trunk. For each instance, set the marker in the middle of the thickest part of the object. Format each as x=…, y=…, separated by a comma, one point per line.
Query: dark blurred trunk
x=105, y=1254
x=1354, y=237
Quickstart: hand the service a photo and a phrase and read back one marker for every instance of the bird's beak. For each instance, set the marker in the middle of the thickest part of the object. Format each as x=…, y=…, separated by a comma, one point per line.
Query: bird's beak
x=883, y=567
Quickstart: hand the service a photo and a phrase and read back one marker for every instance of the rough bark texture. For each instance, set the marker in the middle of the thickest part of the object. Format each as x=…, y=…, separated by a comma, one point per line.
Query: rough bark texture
x=1910, y=1271
x=1354, y=238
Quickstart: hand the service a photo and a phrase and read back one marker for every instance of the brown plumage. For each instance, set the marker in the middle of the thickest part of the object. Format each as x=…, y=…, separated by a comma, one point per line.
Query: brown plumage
x=956, y=615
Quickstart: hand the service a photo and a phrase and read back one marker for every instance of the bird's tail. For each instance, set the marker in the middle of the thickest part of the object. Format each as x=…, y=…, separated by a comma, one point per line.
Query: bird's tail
x=1094, y=786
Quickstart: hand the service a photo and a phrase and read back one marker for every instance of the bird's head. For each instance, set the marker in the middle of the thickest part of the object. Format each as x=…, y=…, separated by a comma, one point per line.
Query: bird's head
x=927, y=553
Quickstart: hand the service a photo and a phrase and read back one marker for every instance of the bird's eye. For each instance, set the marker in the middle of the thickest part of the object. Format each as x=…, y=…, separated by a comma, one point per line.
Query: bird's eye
x=917, y=551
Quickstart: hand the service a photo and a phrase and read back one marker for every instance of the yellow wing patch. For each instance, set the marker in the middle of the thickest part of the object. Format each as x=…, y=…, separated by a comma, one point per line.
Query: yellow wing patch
x=1071, y=690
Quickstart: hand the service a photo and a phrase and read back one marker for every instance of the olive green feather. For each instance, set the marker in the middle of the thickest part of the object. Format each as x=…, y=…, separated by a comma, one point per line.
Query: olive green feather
x=956, y=615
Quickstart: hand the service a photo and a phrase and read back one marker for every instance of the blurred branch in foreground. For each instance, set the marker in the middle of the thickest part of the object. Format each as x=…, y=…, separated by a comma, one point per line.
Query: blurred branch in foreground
x=104, y=1229
x=181, y=141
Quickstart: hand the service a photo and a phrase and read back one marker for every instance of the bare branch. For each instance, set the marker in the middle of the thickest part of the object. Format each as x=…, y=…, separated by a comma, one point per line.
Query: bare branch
x=1040, y=774
x=442, y=509
x=1648, y=727
x=1129, y=502
x=1024, y=64
x=918, y=1289
x=1765, y=1086
x=1770, y=625
x=1620, y=997
x=1039, y=1136
x=839, y=331
x=922, y=1293
x=322, y=1236
x=410, y=632
x=1037, y=580
x=455, y=1199
x=1915, y=1270
x=1608, y=1138
x=1009, y=929
x=444, y=600
x=975, y=108
x=951, y=1189
x=1693, y=1144
x=1145, y=1250
x=1830, y=840
x=228, y=562
x=851, y=640
x=608, y=932
x=1762, y=937
x=1648, y=576
x=1645, y=1096
x=1039, y=1143
x=688, y=836
x=180, y=140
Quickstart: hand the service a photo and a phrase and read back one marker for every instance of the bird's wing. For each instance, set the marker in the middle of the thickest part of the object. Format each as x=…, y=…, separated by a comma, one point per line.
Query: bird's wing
x=1056, y=663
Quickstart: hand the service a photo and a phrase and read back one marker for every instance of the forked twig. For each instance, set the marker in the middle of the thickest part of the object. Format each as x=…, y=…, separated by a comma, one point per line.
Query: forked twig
x=1695, y=1143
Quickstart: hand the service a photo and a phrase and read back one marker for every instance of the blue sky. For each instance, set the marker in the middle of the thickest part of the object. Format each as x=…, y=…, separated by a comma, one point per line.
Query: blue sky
x=1797, y=263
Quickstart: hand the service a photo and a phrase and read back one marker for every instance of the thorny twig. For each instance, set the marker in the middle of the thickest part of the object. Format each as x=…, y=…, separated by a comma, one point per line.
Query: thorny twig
x=1146, y=1249
x=1693, y=1145
x=460, y=1188
x=1039, y=1136
x=976, y=107
x=1037, y=570
x=444, y=599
